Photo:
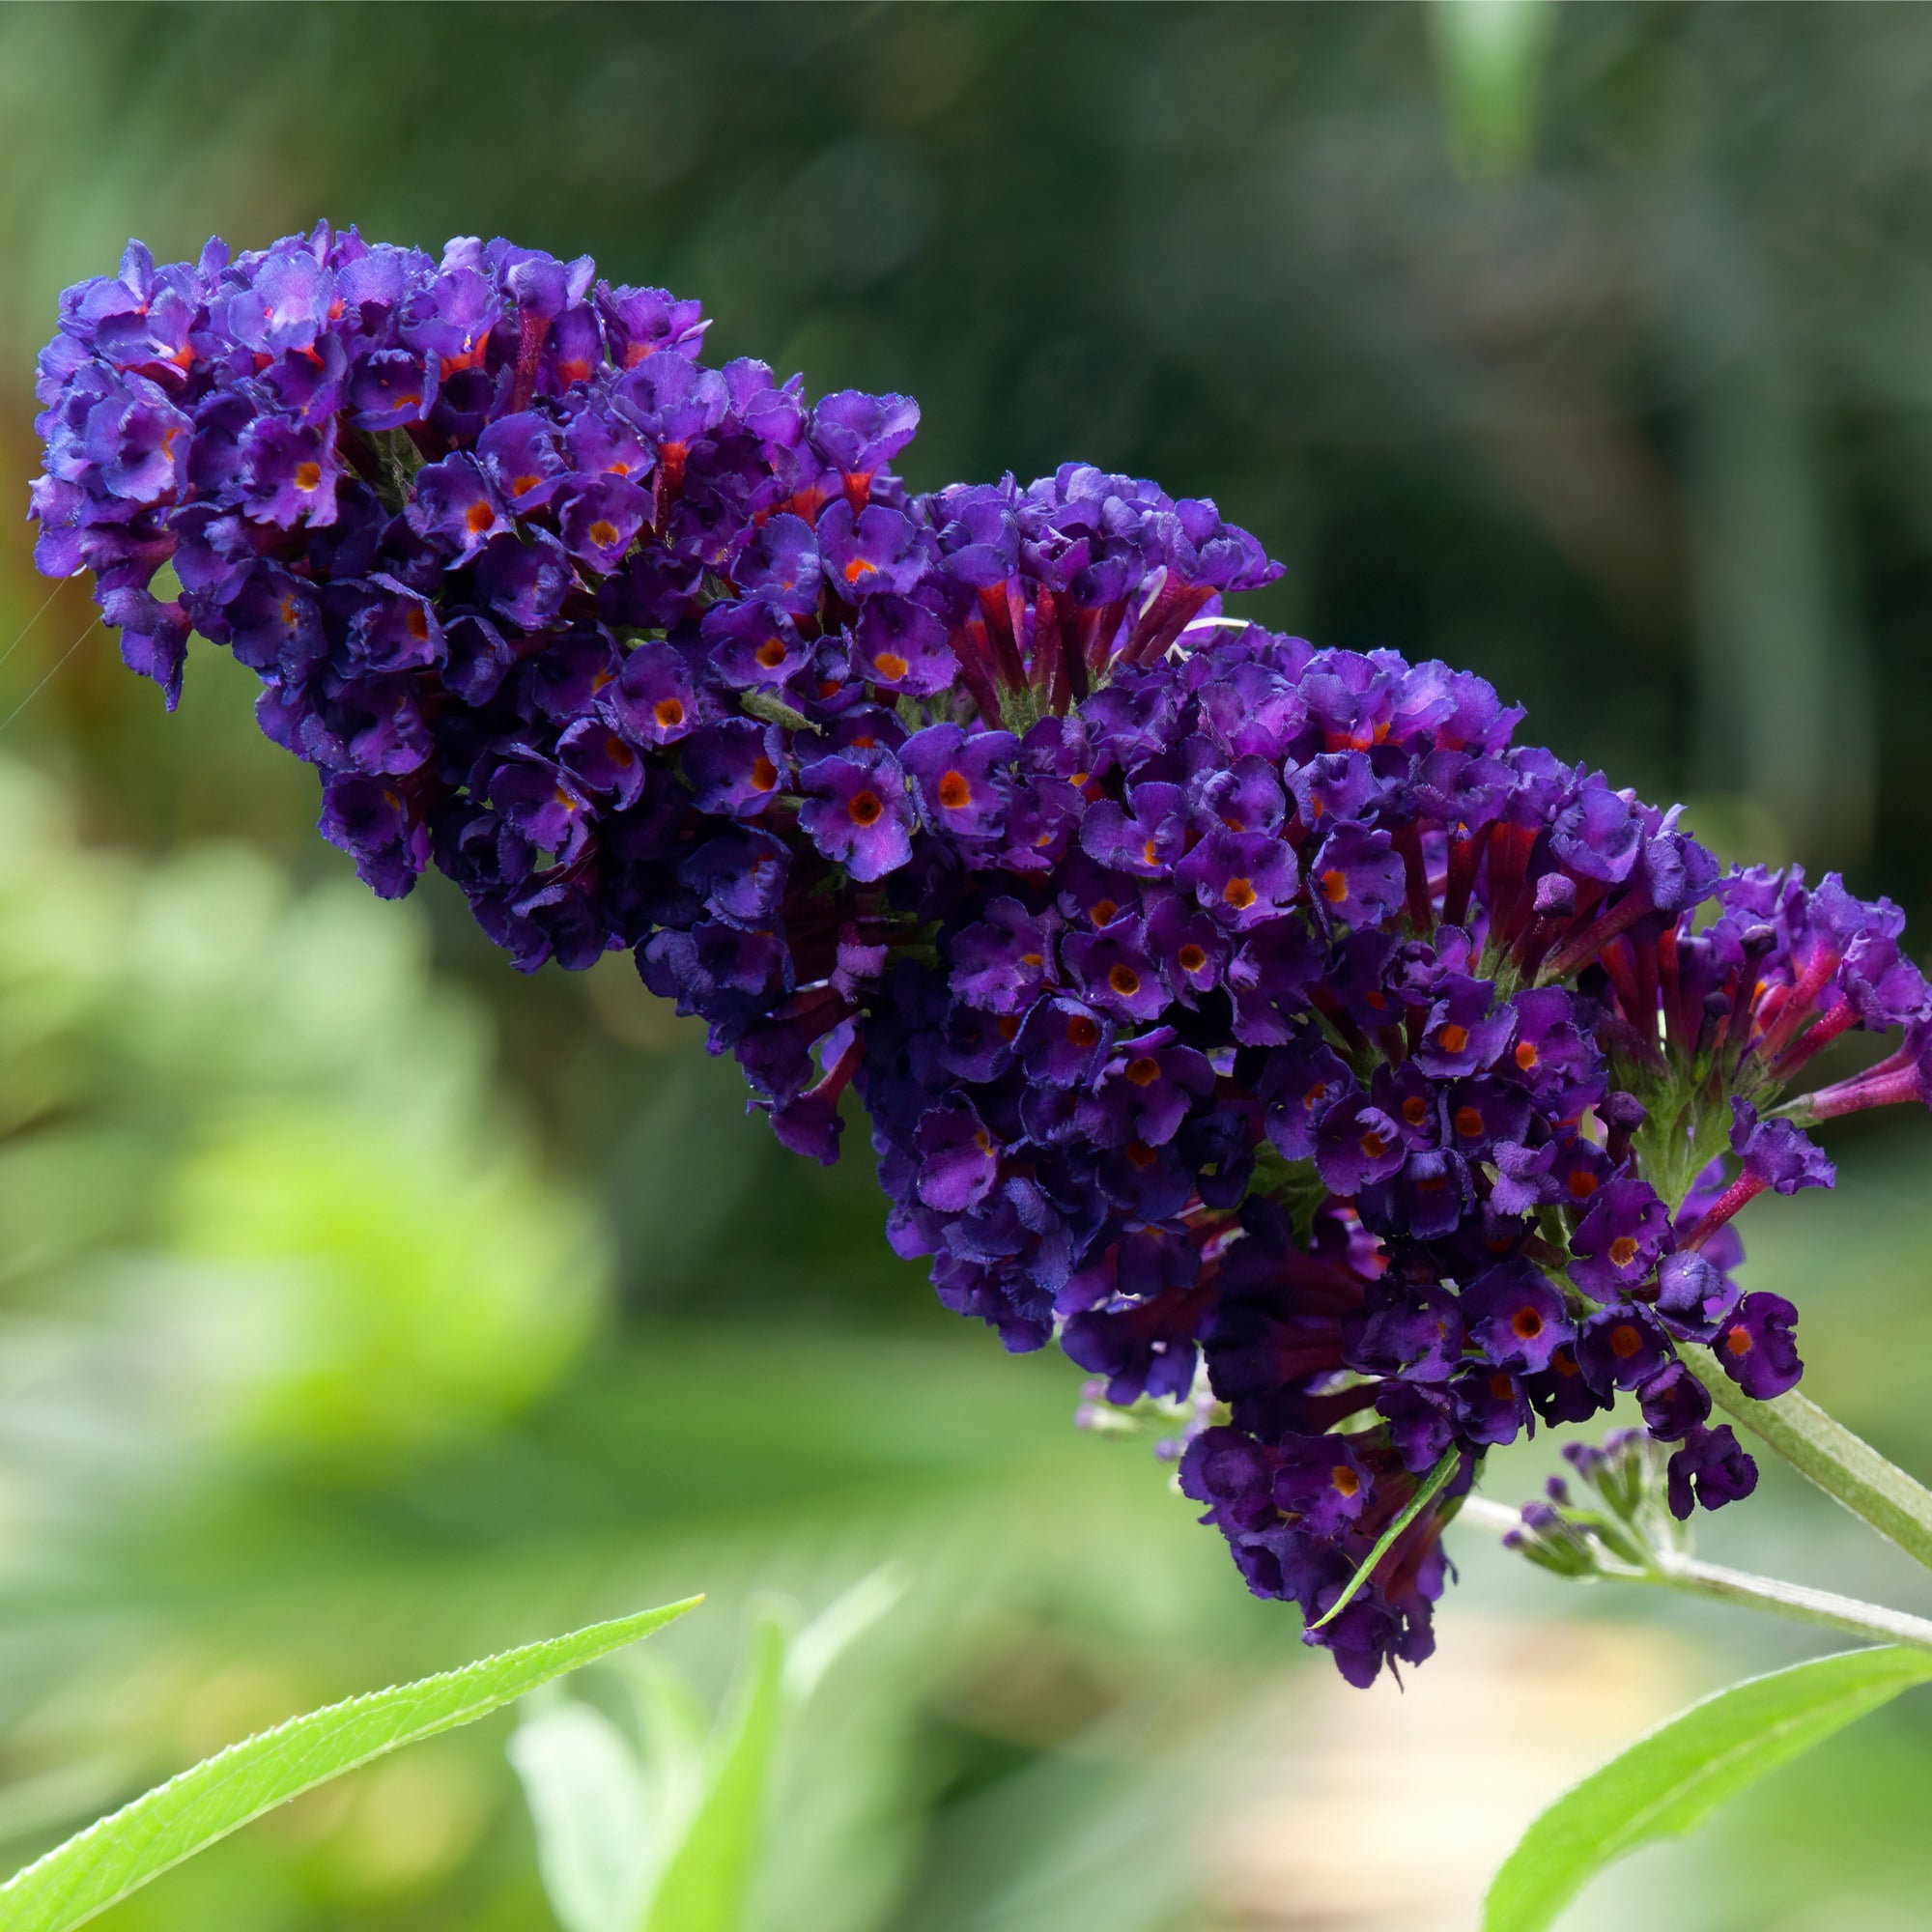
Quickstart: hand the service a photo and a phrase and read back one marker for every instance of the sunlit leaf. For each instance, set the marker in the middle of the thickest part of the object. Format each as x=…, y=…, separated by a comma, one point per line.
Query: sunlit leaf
x=674, y=1724
x=1668, y=1782
x=836, y=1628
x=681, y=1842
x=708, y=1880
x=592, y=1807
x=1490, y=55
x=158, y=1830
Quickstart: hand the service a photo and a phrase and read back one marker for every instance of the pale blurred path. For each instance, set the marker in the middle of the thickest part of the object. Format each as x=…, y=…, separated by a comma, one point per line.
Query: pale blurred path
x=1387, y=1810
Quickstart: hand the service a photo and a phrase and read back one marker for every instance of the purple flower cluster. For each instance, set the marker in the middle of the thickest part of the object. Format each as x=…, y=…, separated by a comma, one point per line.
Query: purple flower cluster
x=1221, y=1006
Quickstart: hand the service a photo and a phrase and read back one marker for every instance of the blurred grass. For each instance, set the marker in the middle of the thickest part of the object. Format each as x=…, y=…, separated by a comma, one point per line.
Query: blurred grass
x=363, y=1306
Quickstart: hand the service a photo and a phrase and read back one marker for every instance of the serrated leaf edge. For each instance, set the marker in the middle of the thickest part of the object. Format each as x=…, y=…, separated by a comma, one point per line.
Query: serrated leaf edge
x=217, y=1771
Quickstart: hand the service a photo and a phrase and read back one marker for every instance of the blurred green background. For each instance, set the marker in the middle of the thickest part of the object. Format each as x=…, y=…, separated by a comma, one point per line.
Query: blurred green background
x=364, y=1306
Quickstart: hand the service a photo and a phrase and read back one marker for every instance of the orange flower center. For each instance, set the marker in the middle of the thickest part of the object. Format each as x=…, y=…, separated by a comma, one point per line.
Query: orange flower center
x=1192, y=958
x=1468, y=1122
x=955, y=792
x=1624, y=1341
x=770, y=653
x=1525, y=1054
x=1623, y=1251
x=668, y=712
x=1334, y=885
x=1342, y=1480
x=865, y=808
x=479, y=517
x=1582, y=1184
x=1083, y=1031
x=1526, y=1324
x=1452, y=1039
x=1143, y=1069
x=1239, y=894
x=308, y=476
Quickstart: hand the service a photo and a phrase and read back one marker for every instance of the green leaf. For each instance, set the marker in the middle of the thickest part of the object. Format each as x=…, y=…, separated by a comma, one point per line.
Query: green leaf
x=680, y=1846
x=708, y=1880
x=1670, y=1782
x=837, y=1627
x=121, y=1852
x=1412, y=1509
x=1491, y=53
x=592, y=1807
x=675, y=1727
x=762, y=705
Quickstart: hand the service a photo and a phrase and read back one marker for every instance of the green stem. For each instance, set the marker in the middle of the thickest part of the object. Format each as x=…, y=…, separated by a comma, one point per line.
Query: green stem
x=1687, y=1575
x=1842, y=1464
x=1794, y=1600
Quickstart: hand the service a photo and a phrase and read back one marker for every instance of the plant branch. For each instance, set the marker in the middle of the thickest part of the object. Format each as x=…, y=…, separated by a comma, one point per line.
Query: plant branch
x=1687, y=1575
x=1796, y=1601
x=1842, y=1465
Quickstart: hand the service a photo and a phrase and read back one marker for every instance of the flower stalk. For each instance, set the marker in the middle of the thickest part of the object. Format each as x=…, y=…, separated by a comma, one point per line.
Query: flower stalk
x=1794, y=1601
x=1628, y=1535
x=1689, y=1576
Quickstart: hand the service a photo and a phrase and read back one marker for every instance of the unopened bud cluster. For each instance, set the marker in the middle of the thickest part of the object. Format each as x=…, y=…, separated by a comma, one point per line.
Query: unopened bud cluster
x=1629, y=1523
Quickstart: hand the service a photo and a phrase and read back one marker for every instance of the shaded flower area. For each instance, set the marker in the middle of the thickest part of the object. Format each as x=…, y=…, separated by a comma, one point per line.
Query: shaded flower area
x=1260, y=1022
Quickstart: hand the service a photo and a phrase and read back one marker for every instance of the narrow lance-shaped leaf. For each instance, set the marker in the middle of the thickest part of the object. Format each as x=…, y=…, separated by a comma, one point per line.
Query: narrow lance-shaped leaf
x=1413, y=1508
x=1668, y=1782
x=705, y=1884
x=836, y=1628
x=610, y=1834
x=591, y=1804
x=117, y=1855
x=1489, y=52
